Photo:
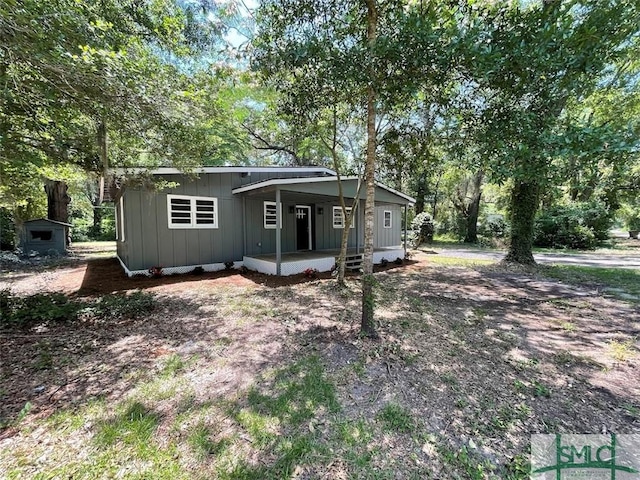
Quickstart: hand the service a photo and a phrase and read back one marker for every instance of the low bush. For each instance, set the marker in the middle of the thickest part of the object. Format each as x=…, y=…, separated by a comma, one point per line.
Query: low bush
x=494, y=226
x=35, y=309
x=51, y=308
x=422, y=228
x=135, y=305
x=582, y=226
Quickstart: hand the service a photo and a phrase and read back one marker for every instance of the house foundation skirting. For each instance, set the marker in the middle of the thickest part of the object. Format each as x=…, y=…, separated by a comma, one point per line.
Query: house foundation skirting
x=209, y=267
x=322, y=263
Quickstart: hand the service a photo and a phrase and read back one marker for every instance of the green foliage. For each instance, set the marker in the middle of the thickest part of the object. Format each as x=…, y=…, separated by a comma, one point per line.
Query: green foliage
x=577, y=226
x=133, y=425
x=422, y=228
x=494, y=226
x=135, y=305
x=74, y=68
x=630, y=215
x=396, y=418
x=24, y=312
x=7, y=230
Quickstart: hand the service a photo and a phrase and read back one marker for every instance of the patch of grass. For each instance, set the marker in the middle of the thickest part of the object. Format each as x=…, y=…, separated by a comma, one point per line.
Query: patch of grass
x=4, y=422
x=354, y=432
x=459, y=262
x=299, y=392
x=621, y=351
x=620, y=280
x=133, y=425
x=569, y=327
x=201, y=441
x=44, y=358
x=540, y=390
x=449, y=378
x=395, y=418
x=631, y=410
x=524, y=365
x=519, y=386
x=262, y=428
x=25, y=312
x=480, y=313
x=463, y=460
x=134, y=305
x=518, y=468
x=172, y=366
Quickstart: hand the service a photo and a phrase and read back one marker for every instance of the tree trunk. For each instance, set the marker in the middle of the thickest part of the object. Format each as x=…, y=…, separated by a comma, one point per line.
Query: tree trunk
x=348, y=220
x=524, y=204
x=96, y=228
x=434, y=206
x=474, y=209
x=58, y=203
x=367, y=325
x=421, y=192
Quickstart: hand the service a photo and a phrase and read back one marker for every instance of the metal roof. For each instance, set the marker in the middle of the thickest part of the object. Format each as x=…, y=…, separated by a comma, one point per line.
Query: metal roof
x=231, y=169
x=50, y=221
x=293, y=184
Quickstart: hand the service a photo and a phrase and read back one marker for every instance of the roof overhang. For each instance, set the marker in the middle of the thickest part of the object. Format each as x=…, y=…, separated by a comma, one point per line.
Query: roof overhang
x=324, y=187
x=230, y=169
x=49, y=221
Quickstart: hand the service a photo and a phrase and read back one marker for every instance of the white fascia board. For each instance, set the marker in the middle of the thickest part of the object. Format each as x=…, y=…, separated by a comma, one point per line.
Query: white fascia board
x=287, y=181
x=176, y=171
x=290, y=181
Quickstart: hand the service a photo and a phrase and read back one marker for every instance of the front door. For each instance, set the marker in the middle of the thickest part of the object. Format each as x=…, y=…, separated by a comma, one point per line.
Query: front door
x=303, y=227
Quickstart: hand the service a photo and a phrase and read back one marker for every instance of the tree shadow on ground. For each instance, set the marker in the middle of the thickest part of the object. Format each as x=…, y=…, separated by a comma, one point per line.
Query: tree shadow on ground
x=104, y=276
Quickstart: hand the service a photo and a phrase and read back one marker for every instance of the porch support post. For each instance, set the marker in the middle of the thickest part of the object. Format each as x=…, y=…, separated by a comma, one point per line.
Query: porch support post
x=405, y=230
x=356, y=219
x=278, y=232
x=244, y=226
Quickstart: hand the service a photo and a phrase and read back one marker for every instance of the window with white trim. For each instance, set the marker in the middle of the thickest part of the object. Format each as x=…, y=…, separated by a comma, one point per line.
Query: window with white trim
x=387, y=219
x=270, y=215
x=338, y=217
x=192, y=212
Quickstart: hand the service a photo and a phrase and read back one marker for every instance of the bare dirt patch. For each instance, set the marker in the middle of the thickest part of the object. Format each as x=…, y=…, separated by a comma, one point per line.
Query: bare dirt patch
x=474, y=360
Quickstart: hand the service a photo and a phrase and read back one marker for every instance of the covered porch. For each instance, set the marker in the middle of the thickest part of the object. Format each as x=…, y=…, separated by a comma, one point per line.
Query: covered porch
x=293, y=224
x=293, y=263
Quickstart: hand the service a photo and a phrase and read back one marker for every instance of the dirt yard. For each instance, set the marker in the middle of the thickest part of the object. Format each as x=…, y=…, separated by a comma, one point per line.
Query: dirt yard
x=243, y=376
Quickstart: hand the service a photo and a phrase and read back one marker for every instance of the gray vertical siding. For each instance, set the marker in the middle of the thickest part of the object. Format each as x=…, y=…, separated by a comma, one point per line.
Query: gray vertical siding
x=388, y=237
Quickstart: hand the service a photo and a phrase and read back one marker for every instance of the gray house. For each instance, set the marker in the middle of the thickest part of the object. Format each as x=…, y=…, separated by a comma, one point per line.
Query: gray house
x=276, y=220
x=44, y=236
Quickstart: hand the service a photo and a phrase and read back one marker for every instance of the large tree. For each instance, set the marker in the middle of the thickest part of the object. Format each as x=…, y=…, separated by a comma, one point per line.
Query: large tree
x=529, y=61
x=369, y=56
x=87, y=81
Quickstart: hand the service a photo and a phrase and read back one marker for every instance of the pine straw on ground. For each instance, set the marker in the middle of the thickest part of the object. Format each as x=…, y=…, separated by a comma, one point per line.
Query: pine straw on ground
x=276, y=383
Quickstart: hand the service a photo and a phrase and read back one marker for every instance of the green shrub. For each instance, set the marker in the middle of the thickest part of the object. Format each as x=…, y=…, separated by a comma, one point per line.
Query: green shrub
x=7, y=230
x=422, y=227
x=135, y=305
x=494, y=226
x=25, y=312
x=578, y=226
x=630, y=215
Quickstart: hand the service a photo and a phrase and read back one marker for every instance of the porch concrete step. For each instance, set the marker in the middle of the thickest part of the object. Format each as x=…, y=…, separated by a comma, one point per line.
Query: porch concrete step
x=354, y=262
